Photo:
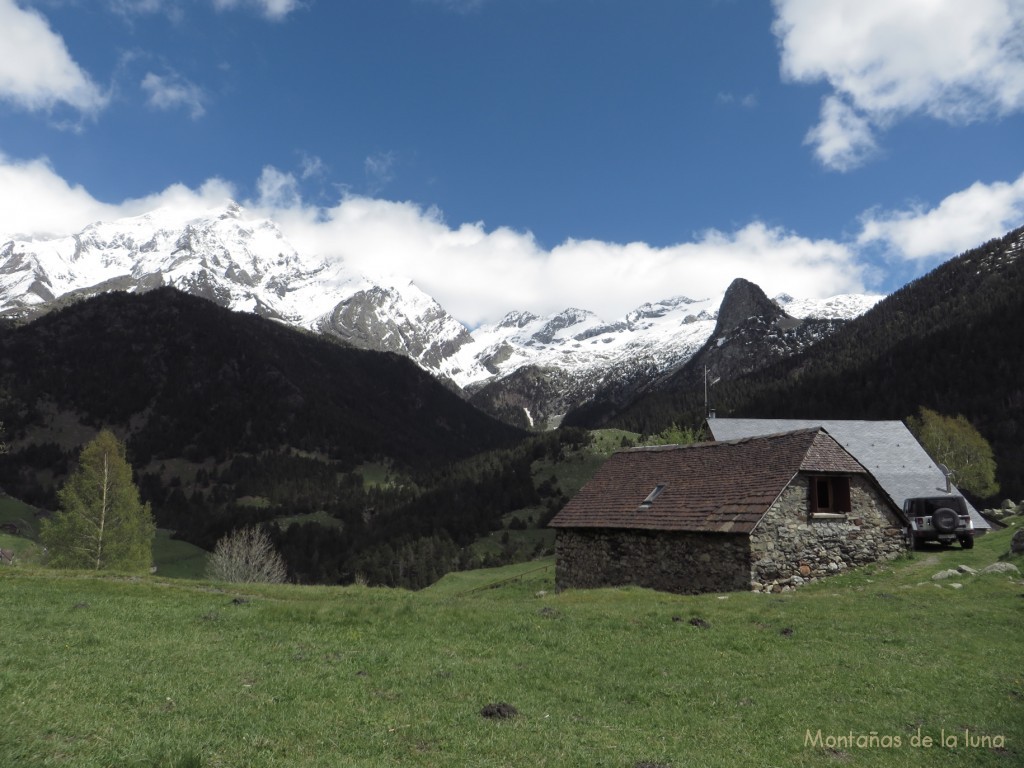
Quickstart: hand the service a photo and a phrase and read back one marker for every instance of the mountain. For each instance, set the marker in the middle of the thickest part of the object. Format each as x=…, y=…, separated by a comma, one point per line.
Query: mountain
x=237, y=262
x=749, y=331
x=526, y=369
x=232, y=419
x=950, y=341
x=182, y=377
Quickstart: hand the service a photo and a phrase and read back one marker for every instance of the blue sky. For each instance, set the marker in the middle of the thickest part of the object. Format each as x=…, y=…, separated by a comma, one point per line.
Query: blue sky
x=534, y=154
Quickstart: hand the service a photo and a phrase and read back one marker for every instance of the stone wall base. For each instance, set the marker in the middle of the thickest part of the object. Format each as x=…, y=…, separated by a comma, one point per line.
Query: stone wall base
x=680, y=562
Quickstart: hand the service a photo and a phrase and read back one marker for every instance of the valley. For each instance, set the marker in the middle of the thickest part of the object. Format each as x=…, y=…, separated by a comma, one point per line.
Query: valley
x=379, y=471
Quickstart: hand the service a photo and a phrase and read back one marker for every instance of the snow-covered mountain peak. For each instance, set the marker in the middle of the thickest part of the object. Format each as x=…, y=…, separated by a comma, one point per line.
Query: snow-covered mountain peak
x=239, y=260
x=517, y=319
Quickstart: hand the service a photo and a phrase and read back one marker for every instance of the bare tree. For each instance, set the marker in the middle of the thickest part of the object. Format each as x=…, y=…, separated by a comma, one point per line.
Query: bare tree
x=246, y=555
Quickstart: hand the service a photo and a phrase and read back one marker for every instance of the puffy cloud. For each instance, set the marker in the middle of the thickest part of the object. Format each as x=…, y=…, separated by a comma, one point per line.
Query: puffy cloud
x=843, y=139
x=961, y=221
x=35, y=201
x=172, y=91
x=954, y=60
x=277, y=190
x=479, y=274
x=36, y=69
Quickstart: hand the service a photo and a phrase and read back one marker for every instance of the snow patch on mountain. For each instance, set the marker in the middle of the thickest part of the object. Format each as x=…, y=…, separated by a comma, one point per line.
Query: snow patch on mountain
x=664, y=333
x=842, y=307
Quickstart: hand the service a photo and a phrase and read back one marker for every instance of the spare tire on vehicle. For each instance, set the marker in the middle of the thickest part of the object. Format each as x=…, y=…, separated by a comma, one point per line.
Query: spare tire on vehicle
x=945, y=520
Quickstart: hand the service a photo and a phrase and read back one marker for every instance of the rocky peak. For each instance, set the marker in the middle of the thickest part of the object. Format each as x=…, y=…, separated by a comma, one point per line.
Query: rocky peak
x=564, y=319
x=742, y=301
x=517, y=320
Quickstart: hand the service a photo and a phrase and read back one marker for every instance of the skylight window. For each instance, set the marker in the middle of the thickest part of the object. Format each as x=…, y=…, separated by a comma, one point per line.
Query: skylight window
x=646, y=503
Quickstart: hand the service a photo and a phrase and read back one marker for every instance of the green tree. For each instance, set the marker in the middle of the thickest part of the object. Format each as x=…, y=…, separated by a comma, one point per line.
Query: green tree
x=676, y=434
x=955, y=442
x=101, y=523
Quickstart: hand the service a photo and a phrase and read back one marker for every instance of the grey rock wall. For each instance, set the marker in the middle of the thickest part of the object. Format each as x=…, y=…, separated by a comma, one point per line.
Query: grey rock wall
x=788, y=547
x=685, y=563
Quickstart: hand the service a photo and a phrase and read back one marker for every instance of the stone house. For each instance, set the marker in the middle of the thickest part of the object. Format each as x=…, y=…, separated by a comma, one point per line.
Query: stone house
x=758, y=513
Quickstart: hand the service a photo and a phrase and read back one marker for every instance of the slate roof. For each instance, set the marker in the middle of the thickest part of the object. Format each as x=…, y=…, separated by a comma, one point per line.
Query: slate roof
x=723, y=487
x=887, y=449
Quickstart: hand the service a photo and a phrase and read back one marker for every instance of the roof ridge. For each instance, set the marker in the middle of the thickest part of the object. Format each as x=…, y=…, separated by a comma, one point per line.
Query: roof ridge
x=735, y=441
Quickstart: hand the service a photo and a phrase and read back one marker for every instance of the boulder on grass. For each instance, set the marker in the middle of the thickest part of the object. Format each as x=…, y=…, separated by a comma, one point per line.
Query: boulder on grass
x=1009, y=568
x=1017, y=543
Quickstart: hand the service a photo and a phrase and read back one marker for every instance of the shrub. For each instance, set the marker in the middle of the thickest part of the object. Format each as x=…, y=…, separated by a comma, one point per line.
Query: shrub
x=246, y=555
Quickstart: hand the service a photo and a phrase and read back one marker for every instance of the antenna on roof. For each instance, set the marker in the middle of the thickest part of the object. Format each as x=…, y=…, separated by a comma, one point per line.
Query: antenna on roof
x=709, y=411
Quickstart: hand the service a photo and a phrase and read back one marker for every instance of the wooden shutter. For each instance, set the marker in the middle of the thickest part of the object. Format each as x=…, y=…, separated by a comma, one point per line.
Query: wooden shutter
x=841, y=494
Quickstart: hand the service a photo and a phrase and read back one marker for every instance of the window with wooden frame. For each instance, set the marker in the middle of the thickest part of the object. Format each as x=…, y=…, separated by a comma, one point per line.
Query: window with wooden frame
x=829, y=496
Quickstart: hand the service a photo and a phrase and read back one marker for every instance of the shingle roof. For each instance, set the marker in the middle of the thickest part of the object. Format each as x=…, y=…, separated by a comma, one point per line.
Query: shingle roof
x=712, y=487
x=887, y=450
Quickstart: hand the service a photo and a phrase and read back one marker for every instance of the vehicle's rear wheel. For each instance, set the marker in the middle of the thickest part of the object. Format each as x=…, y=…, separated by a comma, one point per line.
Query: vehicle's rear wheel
x=967, y=542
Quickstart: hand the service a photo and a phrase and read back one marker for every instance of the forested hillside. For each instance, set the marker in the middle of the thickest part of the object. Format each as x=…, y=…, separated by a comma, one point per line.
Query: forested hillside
x=951, y=341
x=185, y=377
x=230, y=418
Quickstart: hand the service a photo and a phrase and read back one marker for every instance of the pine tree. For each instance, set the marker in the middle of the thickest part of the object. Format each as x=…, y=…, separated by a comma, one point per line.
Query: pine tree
x=101, y=523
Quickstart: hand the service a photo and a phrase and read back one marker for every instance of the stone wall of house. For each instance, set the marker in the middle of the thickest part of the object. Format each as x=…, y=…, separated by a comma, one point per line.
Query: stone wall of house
x=788, y=547
x=686, y=563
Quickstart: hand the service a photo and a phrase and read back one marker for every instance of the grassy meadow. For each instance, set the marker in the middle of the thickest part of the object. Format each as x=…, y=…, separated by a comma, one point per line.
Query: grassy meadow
x=156, y=671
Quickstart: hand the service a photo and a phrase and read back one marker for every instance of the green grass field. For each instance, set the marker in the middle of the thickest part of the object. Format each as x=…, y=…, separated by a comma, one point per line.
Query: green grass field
x=176, y=559
x=152, y=671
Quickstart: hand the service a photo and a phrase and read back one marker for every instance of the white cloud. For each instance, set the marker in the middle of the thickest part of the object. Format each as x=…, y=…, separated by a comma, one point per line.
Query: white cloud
x=479, y=275
x=36, y=201
x=843, y=139
x=963, y=220
x=36, y=69
x=277, y=190
x=172, y=91
x=954, y=60
x=272, y=9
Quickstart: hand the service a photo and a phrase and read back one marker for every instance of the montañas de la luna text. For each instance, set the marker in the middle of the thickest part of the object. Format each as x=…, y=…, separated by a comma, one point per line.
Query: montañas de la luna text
x=919, y=740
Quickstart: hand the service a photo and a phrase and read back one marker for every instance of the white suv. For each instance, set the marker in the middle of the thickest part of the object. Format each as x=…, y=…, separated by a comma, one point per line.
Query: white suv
x=944, y=519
